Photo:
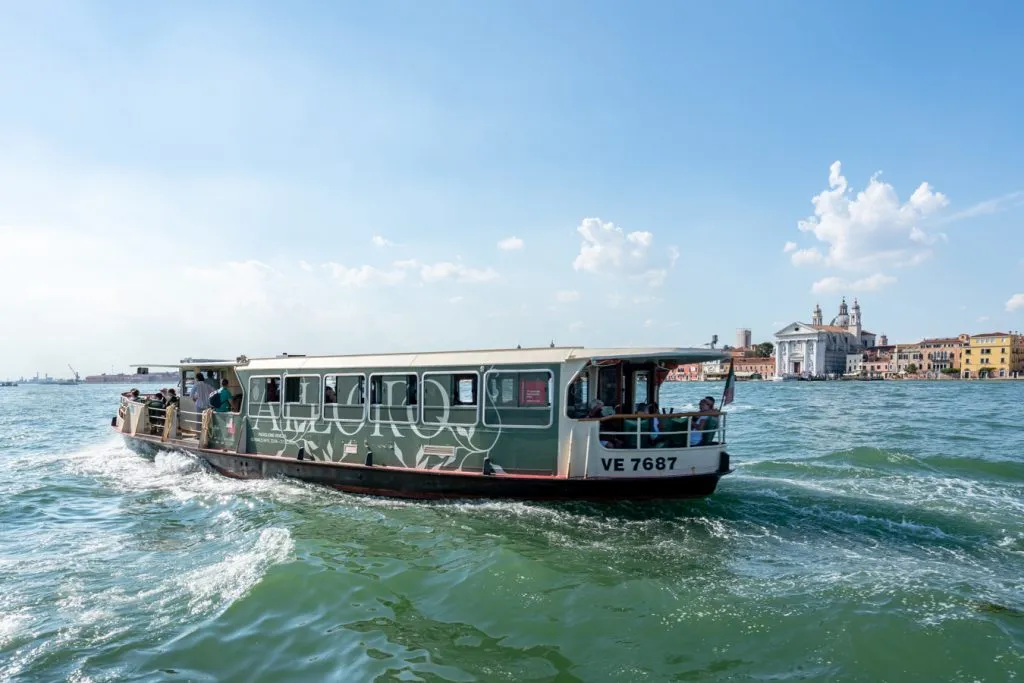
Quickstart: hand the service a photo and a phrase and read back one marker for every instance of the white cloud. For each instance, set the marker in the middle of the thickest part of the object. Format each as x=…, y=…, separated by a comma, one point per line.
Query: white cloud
x=567, y=295
x=608, y=250
x=989, y=206
x=649, y=323
x=456, y=271
x=836, y=284
x=363, y=276
x=1015, y=303
x=305, y=266
x=510, y=244
x=806, y=256
x=379, y=241
x=872, y=229
x=790, y=246
x=408, y=263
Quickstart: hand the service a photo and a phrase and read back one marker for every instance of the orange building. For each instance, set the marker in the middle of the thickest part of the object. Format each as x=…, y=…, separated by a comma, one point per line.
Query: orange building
x=945, y=353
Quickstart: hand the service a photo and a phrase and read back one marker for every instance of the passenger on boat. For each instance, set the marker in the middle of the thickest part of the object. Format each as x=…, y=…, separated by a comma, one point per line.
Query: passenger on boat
x=330, y=395
x=224, y=394
x=201, y=391
x=172, y=398
x=155, y=407
x=704, y=426
x=273, y=391
x=596, y=409
x=134, y=394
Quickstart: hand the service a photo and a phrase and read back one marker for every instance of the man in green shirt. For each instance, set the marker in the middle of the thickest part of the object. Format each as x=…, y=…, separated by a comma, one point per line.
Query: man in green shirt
x=224, y=394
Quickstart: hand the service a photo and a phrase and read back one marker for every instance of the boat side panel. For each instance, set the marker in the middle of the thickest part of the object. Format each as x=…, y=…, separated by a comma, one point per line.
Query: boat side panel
x=441, y=444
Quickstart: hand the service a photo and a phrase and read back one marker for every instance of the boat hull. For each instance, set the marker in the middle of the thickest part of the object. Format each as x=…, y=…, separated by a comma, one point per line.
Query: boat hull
x=431, y=484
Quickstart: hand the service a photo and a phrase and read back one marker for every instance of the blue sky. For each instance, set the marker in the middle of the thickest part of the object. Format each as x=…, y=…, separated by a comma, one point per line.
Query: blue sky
x=190, y=179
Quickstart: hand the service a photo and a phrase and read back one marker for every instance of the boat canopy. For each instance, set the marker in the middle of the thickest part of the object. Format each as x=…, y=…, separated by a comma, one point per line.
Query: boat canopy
x=439, y=359
x=189, y=363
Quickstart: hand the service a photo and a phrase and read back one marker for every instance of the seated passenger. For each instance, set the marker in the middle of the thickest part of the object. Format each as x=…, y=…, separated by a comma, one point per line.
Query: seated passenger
x=273, y=391
x=703, y=430
x=330, y=396
x=172, y=398
x=133, y=395
x=596, y=409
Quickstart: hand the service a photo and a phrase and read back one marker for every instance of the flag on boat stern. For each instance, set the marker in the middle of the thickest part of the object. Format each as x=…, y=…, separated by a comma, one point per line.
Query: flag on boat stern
x=730, y=387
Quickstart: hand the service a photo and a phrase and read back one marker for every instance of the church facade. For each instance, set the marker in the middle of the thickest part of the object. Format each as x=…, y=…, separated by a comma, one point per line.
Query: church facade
x=815, y=349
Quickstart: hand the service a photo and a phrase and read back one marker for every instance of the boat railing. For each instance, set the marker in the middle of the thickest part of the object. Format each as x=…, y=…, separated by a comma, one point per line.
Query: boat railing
x=190, y=422
x=664, y=430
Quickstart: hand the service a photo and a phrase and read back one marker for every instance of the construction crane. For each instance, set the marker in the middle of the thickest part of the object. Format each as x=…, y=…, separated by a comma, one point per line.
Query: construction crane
x=73, y=373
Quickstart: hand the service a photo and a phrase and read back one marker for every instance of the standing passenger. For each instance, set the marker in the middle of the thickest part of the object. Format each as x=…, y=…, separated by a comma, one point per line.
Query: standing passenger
x=201, y=393
x=225, y=398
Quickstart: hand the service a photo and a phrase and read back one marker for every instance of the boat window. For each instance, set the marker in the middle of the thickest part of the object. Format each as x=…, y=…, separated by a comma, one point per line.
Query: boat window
x=302, y=389
x=577, y=402
x=518, y=398
x=344, y=397
x=264, y=391
x=302, y=396
x=609, y=387
x=641, y=385
x=450, y=398
x=393, y=398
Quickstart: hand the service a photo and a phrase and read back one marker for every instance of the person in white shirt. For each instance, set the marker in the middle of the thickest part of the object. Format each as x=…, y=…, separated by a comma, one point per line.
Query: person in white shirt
x=201, y=393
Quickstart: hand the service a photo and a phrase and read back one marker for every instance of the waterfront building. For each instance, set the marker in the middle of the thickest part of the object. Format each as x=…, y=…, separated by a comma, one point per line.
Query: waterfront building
x=908, y=359
x=943, y=355
x=687, y=372
x=854, y=364
x=994, y=354
x=878, y=361
x=817, y=349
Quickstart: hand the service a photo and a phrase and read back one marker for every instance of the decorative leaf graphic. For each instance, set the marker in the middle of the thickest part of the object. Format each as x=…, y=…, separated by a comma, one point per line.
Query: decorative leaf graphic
x=461, y=431
x=398, y=454
x=330, y=450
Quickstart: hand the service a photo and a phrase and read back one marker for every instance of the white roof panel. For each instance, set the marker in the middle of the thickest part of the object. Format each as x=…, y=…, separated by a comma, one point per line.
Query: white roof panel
x=485, y=357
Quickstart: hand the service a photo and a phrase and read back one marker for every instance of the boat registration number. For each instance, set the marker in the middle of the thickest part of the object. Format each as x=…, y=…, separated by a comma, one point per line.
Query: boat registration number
x=639, y=464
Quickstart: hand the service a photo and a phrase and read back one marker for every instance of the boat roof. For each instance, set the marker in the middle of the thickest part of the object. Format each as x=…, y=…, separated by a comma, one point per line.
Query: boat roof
x=439, y=359
x=486, y=357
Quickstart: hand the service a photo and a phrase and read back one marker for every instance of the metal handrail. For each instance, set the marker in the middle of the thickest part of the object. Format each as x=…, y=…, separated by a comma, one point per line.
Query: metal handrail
x=661, y=433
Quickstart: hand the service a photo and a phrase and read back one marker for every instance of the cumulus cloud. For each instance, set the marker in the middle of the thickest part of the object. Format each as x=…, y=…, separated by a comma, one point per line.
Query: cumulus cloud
x=458, y=272
x=834, y=284
x=790, y=247
x=805, y=257
x=305, y=266
x=510, y=244
x=567, y=296
x=608, y=250
x=1015, y=303
x=379, y=241
x=872, y=229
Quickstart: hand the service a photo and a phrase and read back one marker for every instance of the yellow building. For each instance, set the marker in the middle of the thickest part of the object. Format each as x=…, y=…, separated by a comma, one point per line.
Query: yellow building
x=994, y=354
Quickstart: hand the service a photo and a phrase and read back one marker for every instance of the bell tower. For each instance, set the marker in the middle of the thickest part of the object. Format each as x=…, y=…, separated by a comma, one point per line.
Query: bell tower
x=816, y=316
x=855, y=325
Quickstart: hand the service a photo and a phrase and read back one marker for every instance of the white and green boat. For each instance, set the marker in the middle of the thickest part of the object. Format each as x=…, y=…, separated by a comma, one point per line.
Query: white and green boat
x=540, y=423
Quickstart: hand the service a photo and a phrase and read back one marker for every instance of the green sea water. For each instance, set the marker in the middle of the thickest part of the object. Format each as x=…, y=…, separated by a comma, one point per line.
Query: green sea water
x=872, y=532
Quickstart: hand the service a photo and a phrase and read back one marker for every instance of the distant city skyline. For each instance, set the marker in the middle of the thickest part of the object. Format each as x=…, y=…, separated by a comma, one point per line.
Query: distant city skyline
x=214, y=180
